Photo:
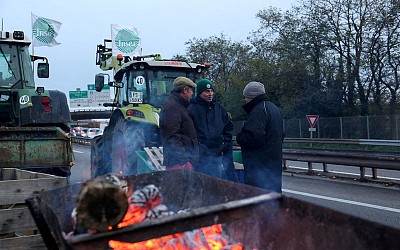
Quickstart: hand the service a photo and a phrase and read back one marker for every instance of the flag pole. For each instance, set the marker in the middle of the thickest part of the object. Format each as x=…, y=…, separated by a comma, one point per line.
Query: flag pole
x=33, y=49
x=33, y=54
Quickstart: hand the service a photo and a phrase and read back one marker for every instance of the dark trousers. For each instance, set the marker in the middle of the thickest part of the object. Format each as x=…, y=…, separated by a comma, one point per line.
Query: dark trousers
x=229, y=169
x=267, y=175
x=220, y=166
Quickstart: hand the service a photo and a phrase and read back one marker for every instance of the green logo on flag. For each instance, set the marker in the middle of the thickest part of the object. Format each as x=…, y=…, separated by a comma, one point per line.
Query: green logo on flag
x=43, y=30
x=126, y=41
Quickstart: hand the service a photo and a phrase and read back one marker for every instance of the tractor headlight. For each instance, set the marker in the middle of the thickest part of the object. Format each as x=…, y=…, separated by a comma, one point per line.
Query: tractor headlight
x=18, y=35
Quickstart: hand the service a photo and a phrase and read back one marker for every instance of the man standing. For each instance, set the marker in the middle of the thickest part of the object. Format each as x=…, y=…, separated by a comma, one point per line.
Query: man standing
x=179, y=138
x=261, y=140
x=214, y=132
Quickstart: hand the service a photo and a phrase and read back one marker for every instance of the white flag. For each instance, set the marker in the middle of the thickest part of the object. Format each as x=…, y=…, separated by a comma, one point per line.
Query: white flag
x=125, y=40
x=44, y=31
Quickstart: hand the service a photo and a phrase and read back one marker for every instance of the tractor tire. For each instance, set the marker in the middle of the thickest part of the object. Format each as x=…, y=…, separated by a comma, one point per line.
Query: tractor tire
x=128, y=137
x=100, y=156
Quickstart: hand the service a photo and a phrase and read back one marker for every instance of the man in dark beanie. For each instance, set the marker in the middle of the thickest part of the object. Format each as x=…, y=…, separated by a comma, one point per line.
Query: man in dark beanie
x=261, y=140
x=214, y=132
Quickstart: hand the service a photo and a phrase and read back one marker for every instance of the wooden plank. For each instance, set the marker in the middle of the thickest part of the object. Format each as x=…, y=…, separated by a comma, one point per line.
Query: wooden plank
x=25, y=174
x=23, y=242
x=159, y=154
x=153, y=158
x=16, y=191
x=15, y=220
x=16, y=223
x=238, y=166
x=20, y=174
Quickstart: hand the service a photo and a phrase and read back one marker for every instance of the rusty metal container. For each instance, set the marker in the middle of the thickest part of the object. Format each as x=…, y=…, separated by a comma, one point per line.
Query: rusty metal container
x=257, y=218
x=34, y=147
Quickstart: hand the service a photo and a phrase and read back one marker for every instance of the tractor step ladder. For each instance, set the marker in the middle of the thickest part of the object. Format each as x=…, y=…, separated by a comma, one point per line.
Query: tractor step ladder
x=155, y=155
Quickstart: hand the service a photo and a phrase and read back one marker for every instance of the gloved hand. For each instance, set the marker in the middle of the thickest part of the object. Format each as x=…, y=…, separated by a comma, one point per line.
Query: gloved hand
x=186, y=166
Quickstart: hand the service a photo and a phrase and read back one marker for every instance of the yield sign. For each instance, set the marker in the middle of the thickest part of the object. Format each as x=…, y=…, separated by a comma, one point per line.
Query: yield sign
x=312, y=119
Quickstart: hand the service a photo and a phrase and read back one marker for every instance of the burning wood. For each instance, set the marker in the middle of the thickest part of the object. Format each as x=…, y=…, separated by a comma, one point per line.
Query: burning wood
x=102, y=203
x=141, y=205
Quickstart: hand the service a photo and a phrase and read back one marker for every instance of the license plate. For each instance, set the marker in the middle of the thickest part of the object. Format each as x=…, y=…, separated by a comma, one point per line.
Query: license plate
x=135, y=97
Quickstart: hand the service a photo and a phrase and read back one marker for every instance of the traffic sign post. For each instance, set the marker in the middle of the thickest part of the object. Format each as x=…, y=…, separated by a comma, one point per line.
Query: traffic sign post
x=312, y=119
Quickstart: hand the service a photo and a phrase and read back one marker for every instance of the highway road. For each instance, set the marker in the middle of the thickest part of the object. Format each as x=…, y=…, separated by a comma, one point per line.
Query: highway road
x=370, y=201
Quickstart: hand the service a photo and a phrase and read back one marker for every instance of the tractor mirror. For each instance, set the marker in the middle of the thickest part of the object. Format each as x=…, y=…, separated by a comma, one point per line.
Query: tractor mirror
x=43, y=70
x=99, y=82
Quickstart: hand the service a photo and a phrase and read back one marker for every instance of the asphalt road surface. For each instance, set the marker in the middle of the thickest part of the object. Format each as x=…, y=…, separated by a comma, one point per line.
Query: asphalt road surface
x=369, y=201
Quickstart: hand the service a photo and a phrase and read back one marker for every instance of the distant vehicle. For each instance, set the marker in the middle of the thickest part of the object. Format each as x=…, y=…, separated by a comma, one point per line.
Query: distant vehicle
x=83, y=132
x=75, y=131
x=93, y=132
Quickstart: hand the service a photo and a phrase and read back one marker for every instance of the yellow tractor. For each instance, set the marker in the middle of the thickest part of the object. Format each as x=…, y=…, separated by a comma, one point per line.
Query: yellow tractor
x=141, y=85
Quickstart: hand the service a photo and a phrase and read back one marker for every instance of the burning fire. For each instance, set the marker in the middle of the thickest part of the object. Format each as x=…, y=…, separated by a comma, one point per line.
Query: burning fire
x=206, y=238
x=146, y=204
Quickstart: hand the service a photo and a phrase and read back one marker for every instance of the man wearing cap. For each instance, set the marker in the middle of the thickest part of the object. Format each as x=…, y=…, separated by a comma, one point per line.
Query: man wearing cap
x=261, y=139
x=214, y=132
x=178, y=134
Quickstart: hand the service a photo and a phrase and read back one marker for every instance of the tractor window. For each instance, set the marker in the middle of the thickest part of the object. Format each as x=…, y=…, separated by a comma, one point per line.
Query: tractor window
x=122, y=92
x=11, y=70
x=7, y=77
x=27, y=67
x=137, y=87
x=153, y=85
x=160, y=91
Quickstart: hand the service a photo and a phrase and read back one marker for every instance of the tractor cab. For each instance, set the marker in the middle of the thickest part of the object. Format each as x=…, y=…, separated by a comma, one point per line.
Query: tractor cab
x=17, y=86
x=151, y=82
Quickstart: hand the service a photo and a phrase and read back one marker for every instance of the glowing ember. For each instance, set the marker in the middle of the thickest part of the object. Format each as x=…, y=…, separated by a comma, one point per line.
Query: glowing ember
x=206, y=238
x=146, y=204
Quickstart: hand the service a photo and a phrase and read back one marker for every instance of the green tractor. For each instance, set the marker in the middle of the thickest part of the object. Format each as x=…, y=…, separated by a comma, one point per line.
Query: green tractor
x=142, y=84
x=33, y=121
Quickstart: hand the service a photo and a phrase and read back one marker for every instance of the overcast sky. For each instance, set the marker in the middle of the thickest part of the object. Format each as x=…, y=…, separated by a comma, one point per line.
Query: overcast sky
x=164, y=26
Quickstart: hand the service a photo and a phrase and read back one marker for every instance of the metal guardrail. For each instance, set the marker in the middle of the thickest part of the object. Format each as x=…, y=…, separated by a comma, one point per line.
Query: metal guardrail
x=390, y=143
x=360, y=158
x=363, y=160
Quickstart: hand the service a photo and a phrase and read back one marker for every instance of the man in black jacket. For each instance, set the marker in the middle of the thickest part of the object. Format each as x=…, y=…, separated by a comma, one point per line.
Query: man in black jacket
x=261, y=140
x=177, y=130
x=214, y=132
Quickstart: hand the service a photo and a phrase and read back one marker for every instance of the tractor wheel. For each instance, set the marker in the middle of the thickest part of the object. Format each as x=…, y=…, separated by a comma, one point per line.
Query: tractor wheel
x=100, y=156
x=127, y=138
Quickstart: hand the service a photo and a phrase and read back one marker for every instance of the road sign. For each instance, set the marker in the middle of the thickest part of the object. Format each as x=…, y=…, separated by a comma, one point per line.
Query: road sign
x=78, y=94
x=96, y=99
x=78, y=99
x=312, y=119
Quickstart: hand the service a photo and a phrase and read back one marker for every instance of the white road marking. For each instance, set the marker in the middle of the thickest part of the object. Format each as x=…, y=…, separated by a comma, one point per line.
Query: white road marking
x=79, y=152
x=338, y=172
x=342, y=200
